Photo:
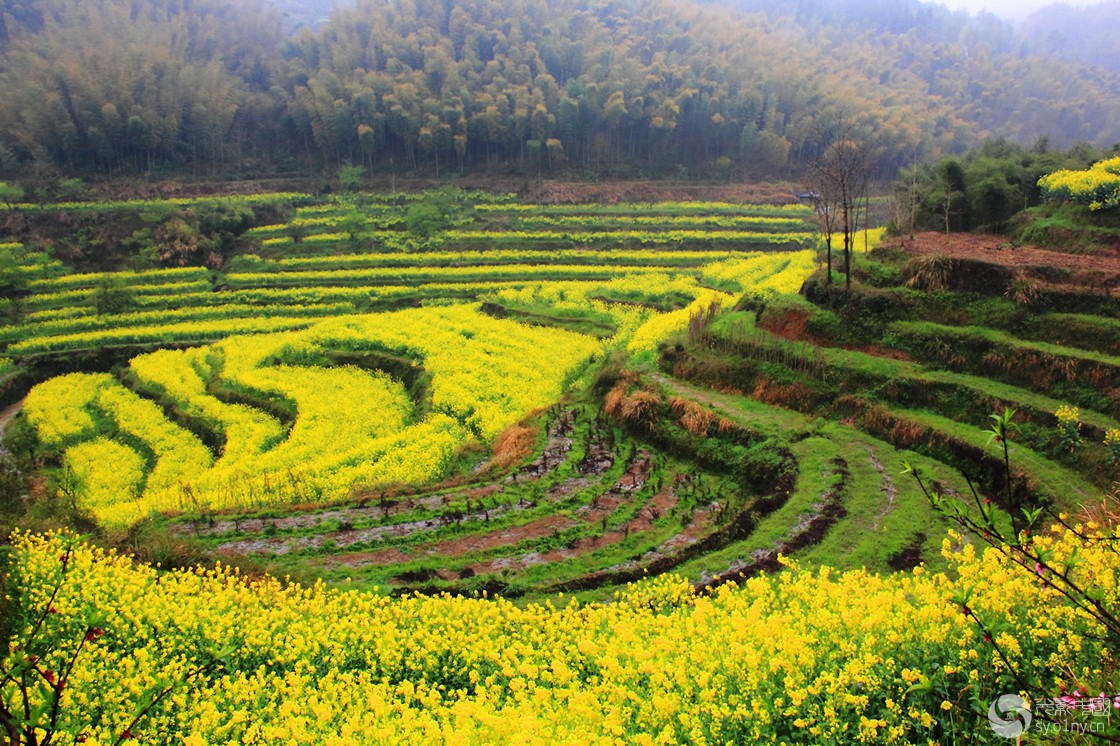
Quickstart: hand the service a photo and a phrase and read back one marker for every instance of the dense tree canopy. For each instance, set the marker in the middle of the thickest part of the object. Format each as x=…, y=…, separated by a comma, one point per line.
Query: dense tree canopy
x=110, y=84
x=587, y=87
x=983, y=189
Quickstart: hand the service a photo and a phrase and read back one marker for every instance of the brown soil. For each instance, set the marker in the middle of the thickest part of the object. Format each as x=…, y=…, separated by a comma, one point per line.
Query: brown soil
x=790, y=325
x=479, y=492
x=700, y=527
x=507, y=537
x=475, y=543
x=603, y=505
x=793, y=325
x=997, y=249
x=315, y=517
x=909, y=556
x=643, y=521
x=343, y=538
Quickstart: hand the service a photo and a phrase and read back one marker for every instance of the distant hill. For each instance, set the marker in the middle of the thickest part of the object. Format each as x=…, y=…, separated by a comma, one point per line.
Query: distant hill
x=929, y=20
x=1089, y=35
x=590, y=88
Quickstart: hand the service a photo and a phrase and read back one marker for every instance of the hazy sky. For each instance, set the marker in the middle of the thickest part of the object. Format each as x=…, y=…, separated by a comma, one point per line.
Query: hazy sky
x=1013, y=9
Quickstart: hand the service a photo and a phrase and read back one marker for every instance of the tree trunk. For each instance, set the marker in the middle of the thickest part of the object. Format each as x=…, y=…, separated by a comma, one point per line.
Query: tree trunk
x=847, y=246
x=828, y=253
x=848, y=261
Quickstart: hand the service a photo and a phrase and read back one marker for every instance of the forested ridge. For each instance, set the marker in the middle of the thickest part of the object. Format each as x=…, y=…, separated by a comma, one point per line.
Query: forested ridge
x=631, y=88
x=1085, y=34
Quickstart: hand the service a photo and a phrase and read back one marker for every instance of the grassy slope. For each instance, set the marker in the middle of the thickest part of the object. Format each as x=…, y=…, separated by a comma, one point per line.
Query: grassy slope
x=885, y=511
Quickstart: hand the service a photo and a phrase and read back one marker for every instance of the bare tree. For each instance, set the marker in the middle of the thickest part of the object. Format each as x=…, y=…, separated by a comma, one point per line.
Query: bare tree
x=825, y=204
x=843, y=172
x=905, y=200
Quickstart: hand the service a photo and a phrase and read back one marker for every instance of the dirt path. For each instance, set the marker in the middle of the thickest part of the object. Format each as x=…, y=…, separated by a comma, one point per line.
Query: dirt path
x=887, y=488
x=10, y=412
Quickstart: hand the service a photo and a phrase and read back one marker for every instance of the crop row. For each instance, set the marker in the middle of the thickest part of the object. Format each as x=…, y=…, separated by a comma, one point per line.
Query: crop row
x=765, y=273
x=356, y=295
x=66, y=300
x=323, y=215
x=644, y=237
x=91, y=322
x=482, y=239
x=90, y=280
x=250, y=263
x=651, y=208
x=742, y=222
x=343, y=299
x=377, y=220
x=138, y=204
x=186, y=332
x=417, y=275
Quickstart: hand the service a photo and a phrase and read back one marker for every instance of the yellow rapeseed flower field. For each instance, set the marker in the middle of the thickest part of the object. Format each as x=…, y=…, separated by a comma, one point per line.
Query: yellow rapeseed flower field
x=345, y=428
x=807, y=656
x=352, y=427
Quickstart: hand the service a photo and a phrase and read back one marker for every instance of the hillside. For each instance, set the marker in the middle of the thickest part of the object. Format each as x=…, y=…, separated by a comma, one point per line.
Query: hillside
x=600, y=88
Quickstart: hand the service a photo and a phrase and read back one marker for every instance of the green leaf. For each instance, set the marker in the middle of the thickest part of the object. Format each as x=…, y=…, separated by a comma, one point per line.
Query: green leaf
x=923, y=685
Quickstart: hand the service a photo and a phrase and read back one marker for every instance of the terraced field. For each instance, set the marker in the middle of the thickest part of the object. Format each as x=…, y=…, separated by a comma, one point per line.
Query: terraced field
x=345, y=358
x=530, y=399
x=307, y=269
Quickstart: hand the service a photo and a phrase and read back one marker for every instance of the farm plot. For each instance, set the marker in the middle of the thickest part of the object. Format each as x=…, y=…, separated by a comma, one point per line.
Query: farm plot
x=330, y=365
x=348, y=426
